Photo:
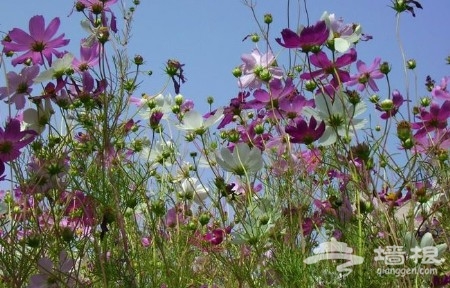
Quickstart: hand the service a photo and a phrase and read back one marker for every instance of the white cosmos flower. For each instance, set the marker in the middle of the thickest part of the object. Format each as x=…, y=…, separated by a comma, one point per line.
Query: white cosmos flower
x=59, y=67
x=160, y=152
x=339, y=116
x=191, y=190
x=242, y=160
x=36, y=119
x=344, y=35
x=194, y=121
x=160, y=102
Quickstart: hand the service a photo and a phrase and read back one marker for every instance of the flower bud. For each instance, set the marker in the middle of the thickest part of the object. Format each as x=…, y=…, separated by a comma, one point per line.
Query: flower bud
x=210, y=100
x=387, y=105
x=255, y=38
x=408, y=143
x=179, y=99
x=103, y=35
x=233, y=136
x=374, y=98
x=204, y=219
x=268, y=18
x=403, y=130
x=425, y=102
x=265, y=75
x=158, y=208
x=79, y=6
x=411, y=64
x=138, y=60
x=259, y=129
x=237, y=72
x=385, y=68
x=310, y=85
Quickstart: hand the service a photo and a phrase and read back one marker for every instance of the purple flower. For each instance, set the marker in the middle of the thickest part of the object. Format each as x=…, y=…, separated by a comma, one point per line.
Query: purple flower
x=100, y=7
x=37, y=44
x=258, y=68
x=328, y=67
x=89, y=57
x=397, y=101
x=235, y=108
x=50, y=276
x=12, y=140
x=440, y=91
x=270, y=100
x=366, y=75
x=309, y=37
x=19, y=85
x=394, y=199
x=303, y=132
x=433, y=120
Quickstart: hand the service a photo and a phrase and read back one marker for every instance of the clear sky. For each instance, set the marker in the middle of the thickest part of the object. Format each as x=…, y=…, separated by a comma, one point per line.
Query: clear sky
x=207, y=36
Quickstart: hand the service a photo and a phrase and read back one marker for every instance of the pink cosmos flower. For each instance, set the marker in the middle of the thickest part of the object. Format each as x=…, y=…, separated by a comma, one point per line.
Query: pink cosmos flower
x=397, y=101
x=270, y=100
x=89, y=57
x=12, y=139
x=79, y=207
x=328, y=67
x=309, y=37
x=291, y=107
x=19, y=85
x=366, y=75
x=433, y=120
x=101, y=7
x=394, y=199
x=37, y=44
x=440, y=91
x=255, y=64
x=49, y=274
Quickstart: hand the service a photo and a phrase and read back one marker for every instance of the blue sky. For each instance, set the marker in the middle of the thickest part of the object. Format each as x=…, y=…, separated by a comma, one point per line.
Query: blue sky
x=207, y=36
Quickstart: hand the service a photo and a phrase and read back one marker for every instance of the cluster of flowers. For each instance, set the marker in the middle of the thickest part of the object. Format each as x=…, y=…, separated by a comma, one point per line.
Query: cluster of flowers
x=290, y=149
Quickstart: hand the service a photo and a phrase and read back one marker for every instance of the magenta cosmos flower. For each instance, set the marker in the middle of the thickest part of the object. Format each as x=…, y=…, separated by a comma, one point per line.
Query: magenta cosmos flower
x=304, y=132
x=366, y=75
x=328, y=67
x=19, y=85
x=37, y=44
x=99, y=7
x=12, y=139
x=433, y=120
x=309, y=37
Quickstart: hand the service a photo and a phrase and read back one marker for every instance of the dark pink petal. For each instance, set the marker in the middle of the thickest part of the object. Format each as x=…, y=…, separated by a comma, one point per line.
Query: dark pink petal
x=290, y=38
